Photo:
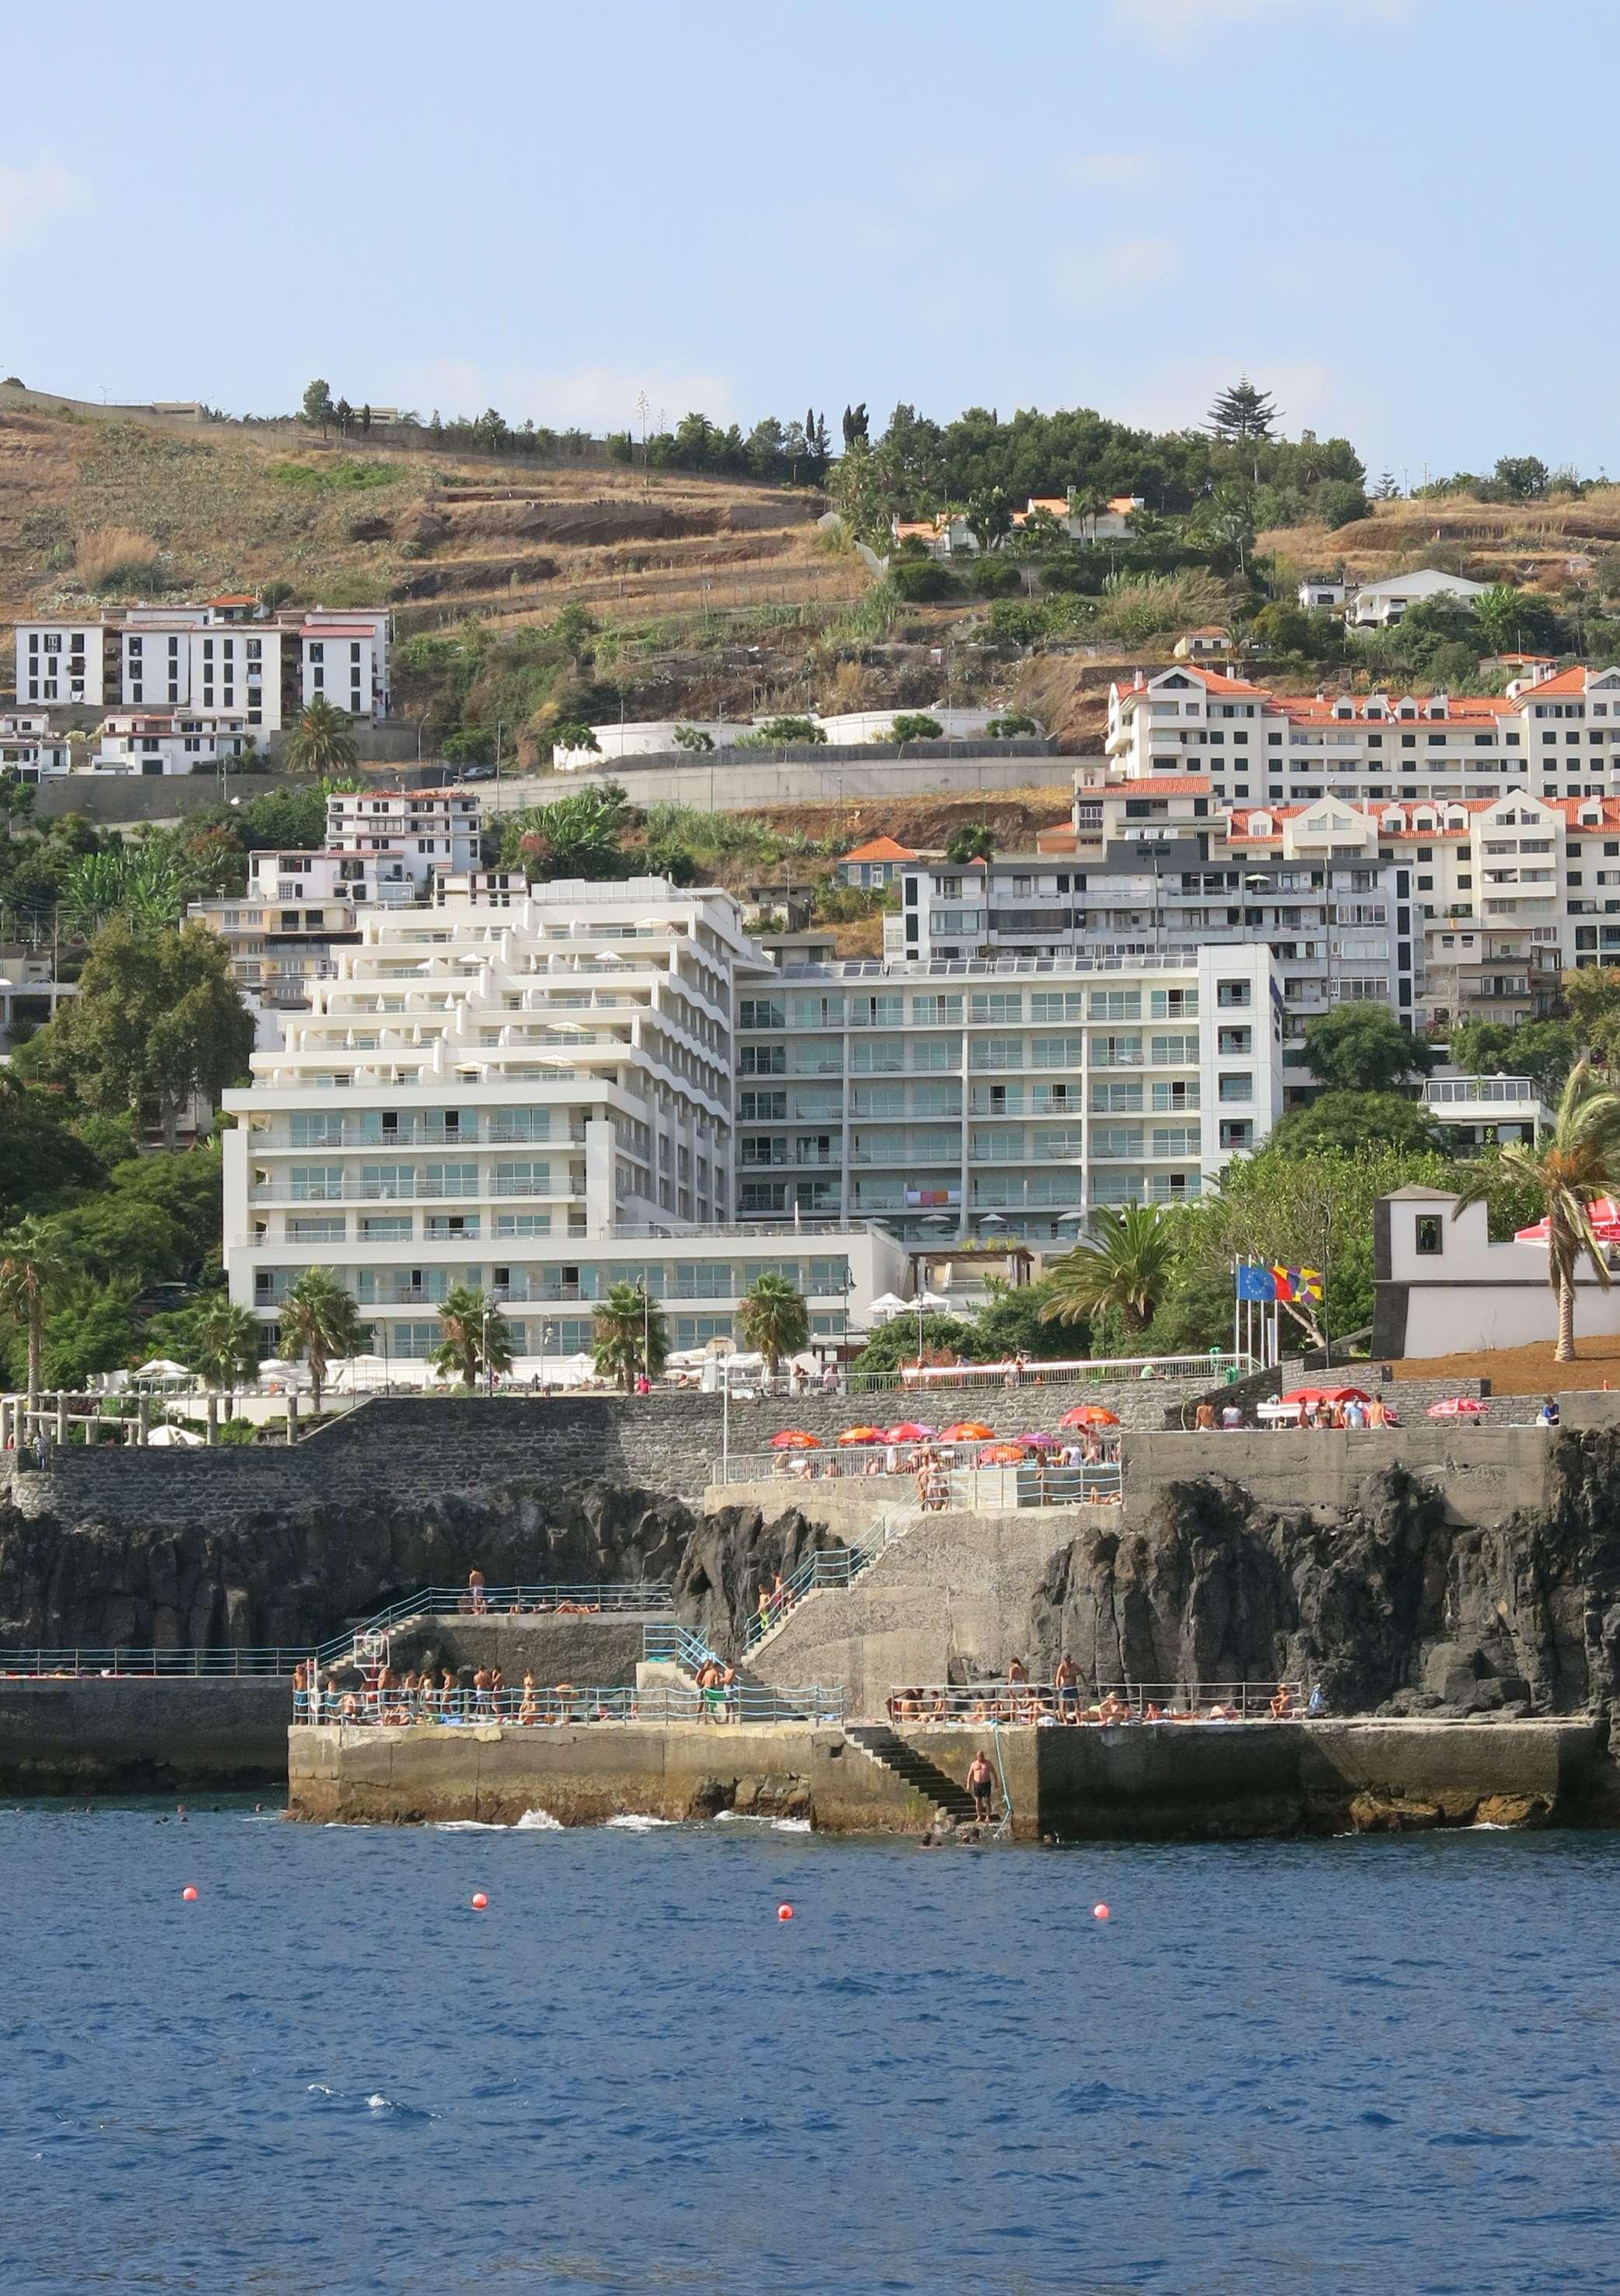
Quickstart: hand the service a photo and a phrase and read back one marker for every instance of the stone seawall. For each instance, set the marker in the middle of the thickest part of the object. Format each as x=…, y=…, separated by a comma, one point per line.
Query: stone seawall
x=1203, y=1781
x=134, y=1735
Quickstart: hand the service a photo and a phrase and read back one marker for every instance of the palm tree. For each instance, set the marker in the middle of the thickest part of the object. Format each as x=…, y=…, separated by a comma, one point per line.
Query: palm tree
x=630, y=1336
x=775, y=1319
x=473, y=1336
x=320, y=741
x=319, y=1320
x=1124, y=1263
x=1088, y=504
x=1570, y=1167
x=32, y=1266
x=225, y=1347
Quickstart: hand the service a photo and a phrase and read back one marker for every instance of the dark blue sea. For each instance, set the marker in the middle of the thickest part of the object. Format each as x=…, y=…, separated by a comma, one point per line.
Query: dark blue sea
x=1381, y=2065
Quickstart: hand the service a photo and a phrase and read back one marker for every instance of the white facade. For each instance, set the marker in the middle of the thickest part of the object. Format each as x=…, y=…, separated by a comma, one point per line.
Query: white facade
x=343, y=658
x=1319, y=591
x=1378, y=605
x=655, y=736
x=60, y=663
x=166, y=742
x=1443, y=1288
x=1559, y=737
x=1015, y=1094
x=435, y=829
x=535, y=1100
x=29, y=748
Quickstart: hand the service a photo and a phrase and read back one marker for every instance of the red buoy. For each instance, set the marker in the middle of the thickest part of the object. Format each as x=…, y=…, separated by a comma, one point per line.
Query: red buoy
x=1099, y=1912
x=784, y=1913
x=479, y=1901
x=189, y=1894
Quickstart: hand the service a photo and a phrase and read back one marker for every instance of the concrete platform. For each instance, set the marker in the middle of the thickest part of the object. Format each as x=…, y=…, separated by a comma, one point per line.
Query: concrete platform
x=1200, y=1781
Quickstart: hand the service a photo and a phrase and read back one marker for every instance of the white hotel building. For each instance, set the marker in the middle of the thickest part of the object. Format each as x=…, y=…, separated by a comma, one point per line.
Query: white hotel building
x=535, y=1099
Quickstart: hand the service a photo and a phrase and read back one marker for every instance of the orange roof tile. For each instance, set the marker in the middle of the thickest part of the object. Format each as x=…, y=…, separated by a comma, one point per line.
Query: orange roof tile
x=1172, y=784
x=881, y=849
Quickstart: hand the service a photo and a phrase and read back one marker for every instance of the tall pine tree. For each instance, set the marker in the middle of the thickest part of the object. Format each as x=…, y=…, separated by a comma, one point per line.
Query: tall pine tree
x=1242, y=412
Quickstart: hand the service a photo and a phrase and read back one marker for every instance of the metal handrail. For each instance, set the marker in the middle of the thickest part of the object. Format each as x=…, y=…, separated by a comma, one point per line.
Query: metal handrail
x=562, y=1703
x=429, y=1602
x=1035, y=1481
x=983, y=1704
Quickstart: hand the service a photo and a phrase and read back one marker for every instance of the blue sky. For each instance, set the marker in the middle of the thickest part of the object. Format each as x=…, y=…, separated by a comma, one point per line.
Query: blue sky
x=1396, y=214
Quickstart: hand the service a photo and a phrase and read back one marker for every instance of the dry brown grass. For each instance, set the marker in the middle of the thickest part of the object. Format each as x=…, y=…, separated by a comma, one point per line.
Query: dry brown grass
x=1497, y=541
x=1524, y=1371
x=116, y=558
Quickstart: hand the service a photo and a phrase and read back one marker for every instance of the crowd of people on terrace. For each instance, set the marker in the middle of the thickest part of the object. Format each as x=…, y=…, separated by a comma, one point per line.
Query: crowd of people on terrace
x=1065, y=1700
x=470, y=1695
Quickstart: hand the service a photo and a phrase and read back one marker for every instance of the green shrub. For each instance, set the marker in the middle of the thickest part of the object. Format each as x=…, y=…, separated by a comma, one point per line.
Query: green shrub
x=342, y=474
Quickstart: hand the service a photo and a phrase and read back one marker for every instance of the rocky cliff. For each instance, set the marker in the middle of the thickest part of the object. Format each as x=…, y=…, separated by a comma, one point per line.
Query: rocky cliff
x=1391, y=1606
x=290, y=1574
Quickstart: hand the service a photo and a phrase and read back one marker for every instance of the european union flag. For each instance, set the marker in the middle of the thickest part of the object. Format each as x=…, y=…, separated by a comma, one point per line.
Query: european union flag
x=1255, y=1283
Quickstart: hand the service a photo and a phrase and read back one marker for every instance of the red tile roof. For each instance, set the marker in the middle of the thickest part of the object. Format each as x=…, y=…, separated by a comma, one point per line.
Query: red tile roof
x=881, y=849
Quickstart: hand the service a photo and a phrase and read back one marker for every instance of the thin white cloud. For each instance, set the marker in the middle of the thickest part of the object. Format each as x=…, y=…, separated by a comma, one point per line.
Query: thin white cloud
x=1168, y=22
x=1124, y=263
x=37, y=195
x=590, y=398
x=1111, y=170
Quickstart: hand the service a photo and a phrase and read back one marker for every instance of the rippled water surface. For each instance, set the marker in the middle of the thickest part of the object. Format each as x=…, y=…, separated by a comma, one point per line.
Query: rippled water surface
x=1384, y=2065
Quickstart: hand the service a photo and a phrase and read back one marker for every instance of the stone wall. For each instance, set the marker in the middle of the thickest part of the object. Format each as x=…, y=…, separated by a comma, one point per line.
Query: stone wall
x=95, y=1736
x=1482, y=1474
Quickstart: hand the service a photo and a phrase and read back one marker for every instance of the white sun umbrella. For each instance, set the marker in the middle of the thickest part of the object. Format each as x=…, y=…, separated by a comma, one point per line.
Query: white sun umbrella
x=888, y=1303
x=163, y=1368
x=167, y=1436
x=930, y=1301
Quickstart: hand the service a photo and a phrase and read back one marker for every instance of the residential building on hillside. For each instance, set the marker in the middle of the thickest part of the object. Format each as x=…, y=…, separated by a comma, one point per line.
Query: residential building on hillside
x=1334, y=907
x=384, y=847
x=168, y=741
x=950, y=535
x=1012, y=1095
x=875, y=865
x=1559, y=736
x=60, y=662
x=1380, y=605
x=1318, y=592
x=227, y=655
x=29, y=748
x=535, y=1100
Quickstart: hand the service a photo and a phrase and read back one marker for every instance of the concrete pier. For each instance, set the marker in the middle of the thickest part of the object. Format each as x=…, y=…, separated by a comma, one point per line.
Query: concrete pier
x=1189, y=1780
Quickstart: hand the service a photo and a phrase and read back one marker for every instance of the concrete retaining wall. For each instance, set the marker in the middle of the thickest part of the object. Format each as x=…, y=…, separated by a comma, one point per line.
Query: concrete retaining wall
x=953, y=1593
x=94, y=1737
x=1484, y=1473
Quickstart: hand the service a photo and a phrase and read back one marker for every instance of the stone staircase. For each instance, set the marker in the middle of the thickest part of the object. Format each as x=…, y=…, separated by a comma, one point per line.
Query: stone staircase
x=880, y=1744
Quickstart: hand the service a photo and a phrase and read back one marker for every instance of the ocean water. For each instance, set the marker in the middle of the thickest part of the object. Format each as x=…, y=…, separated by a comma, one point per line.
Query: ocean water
x=1381, y=2065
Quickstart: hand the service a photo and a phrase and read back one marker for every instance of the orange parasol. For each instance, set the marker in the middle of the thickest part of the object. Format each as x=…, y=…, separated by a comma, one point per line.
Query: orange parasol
x=1089, y=1414
x=795, y=1439
x=863, y=1435
x=1002, y=1454
x=968, y=1430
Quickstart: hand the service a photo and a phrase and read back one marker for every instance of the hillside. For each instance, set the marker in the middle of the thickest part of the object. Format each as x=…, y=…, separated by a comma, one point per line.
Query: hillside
x=1521, y=542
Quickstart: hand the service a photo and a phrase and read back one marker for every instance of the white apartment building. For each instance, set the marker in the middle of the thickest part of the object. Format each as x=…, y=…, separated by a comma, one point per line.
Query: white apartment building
x=1558, y=735
x=1144, y=875
x=534, y=1100
x=60, y=662
x=168, y=741
x=226, y=655
x=29, y=748
x=1012, y=1095
x=344, y=659
x=438, y=829
x=1380, y=605
x=384, y=849
x=1323, y=592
